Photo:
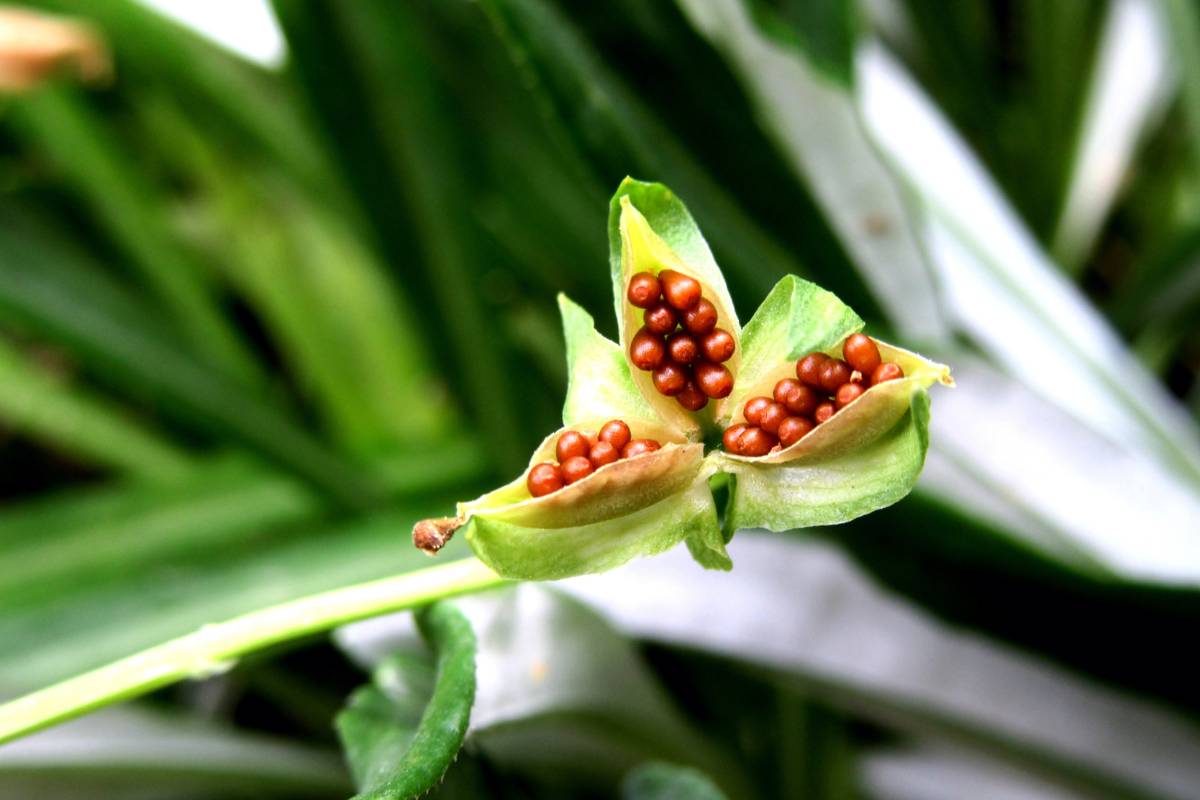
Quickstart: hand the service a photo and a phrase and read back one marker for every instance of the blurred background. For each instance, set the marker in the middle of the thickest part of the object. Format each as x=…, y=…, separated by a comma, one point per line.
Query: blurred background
x=277, y=281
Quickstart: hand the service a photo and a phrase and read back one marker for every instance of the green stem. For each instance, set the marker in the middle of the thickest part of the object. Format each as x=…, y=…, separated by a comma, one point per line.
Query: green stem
x=215, y=648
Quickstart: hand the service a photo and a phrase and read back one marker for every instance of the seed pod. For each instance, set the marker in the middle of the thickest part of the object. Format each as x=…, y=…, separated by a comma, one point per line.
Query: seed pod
x=679, y=290
x=682, y=348
x=713, y=379
x=717, y=346
x=756, y=442
x=861, y=353
x=729, y=439
x=793, y=429
x=647, y=351
x=771, y=416
x=754, y=408
x=886, y=372
x=616, y=433
x=799, y=399
x=701, y=319
x=847, y=393
x=833, y=374
x=808, y=369
x=575, y=469
x=823, y=412
x=691, y=397
x=544, y=479
x=570, y=445
x=670, y=378
x=603, y=453
x=644, y=290
x=660, y=319
x=639, y=447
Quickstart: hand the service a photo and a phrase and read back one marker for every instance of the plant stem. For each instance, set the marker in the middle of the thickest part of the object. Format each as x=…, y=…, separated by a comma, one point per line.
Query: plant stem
x=213, y=649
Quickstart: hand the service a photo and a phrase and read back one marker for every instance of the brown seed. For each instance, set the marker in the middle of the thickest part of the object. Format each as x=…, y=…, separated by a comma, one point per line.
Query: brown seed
x=575, y=469
x=571, y=444
x=808, y=369
x=799, y=398
x=644, y=290
x=861, y=353
x=730, y=437
x=886, y=372
x=544, y=479
x=603, y=453
x=679, y=290
x=833, y=374
x=591, y=439
x=670, y=378
x=713, y=379
x=793, y=429
x=682, y=348
x=717, y=345
x=754, y=408
x=771, y=416
x=691, y=397
x=756, y=442
x=847, y=393
x=701, y=319
x=659, y=319
x=647, y=351
x=823, y=412
x=616, y=433
x=639, y=447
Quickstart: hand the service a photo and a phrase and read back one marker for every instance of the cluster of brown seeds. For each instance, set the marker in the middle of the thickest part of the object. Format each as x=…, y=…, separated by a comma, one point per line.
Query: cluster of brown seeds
x=679, y=341
x=822, y=386
x=580, y=454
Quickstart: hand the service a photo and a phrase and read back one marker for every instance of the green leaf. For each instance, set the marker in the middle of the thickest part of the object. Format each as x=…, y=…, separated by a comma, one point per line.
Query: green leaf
x=401, y=734
x=649, y=230
x=661, y=781
x=599, y=383
x=525, y=551
x=796, y=318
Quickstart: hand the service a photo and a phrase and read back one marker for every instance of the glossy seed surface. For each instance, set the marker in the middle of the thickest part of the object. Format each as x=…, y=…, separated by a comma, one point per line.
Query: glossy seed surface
x=646, y=350
x=808, y=369
x=714, y=379
x=793, y=429
x=644, y=290
x=603, y=453
x=729, y=439
x=771, y=416
x=861, y=353
x=886, y=372
x=660, y=319
x=570, y=445
x=543, y=479
x=639, y=447
x=575, y=469
x=682, y=348
x=616, y=433
x=756, y=442
x=679, y=290
x=717, y=345
x=701, y=319
x=847, y=393
x=833, y=374
x=754, y=408
x=823, y=412
x=691, y=397
x=670, y=378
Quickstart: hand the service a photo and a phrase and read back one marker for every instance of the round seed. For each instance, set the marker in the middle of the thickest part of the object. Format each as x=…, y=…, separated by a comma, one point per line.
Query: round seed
x=833, y=374
x=591, y=439
x=670, y=378
x=659, y=319
x=646, y=351
x=575, y=469
x=886, y=372
x=756, y=442
x=714, y=379
x=771, y=416
x=639, y=447
x=691, y=397
x=682, y=348
x=544, y=479
x=570, y=445
x=754, y=408
x=701, y=319
x=644, y=290
x=730, y=437
x=793, y=429
x=808, y=369
x=799, y=399
x=603, y=453
x=823, y=412
x=616, y=433
x=679, y=290
x=717, y=345
x=861, y=353
x=847, y=393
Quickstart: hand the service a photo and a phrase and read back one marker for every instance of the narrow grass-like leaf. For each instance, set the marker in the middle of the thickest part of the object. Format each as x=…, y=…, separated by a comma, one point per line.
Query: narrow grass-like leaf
x=401, y=738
